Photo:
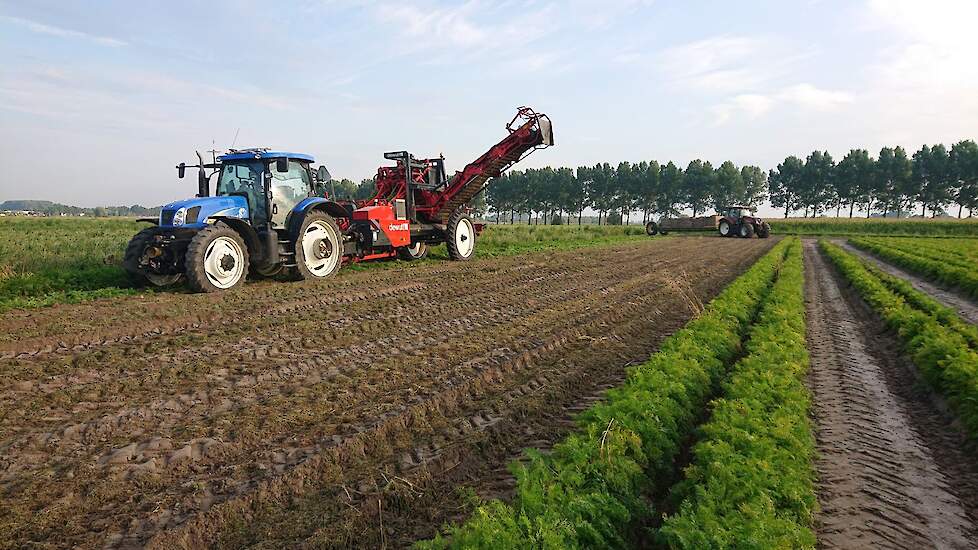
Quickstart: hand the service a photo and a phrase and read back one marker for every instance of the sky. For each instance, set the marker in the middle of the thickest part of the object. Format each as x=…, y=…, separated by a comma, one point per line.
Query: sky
x=99, y=100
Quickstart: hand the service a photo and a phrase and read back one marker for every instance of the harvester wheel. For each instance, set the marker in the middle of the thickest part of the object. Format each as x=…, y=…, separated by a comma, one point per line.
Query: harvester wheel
x=318, y=247
x=460, y=237
x=417, y=251
x=651, y=229
x=217, y=259
x=724, y=228
x=747, y=230
x=764, y=231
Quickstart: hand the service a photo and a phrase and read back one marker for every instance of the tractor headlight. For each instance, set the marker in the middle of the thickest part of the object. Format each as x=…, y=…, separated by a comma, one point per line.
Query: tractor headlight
x=180, y=217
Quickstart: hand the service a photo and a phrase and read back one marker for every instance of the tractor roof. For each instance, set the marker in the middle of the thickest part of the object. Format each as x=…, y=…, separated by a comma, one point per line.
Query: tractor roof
x=251, y=154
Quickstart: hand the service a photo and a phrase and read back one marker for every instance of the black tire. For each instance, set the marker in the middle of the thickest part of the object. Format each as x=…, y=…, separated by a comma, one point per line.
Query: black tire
x=205, y=271
x=460, y=237
x=746, y=230
x=134, y=251
x=327, y=240
x=663, y=232
x=417, y=251
x=764, y=231
x=724, y=224
x=651, y=229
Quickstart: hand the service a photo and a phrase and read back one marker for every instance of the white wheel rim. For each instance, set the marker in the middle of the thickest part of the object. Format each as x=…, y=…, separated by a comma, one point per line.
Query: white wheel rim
x=224, y=262
x=320, y=249
x=724, y=228
x=464, y=238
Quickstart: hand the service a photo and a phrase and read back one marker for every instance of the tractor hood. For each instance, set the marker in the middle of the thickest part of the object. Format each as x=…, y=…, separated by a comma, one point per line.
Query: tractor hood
x=195, y=212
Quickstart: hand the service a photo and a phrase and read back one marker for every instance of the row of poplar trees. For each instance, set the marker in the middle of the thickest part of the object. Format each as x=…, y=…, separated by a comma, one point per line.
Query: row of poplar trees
x=892, y=183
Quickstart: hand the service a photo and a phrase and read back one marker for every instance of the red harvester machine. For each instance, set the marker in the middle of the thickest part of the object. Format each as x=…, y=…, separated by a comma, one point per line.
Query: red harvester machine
x=417, y=205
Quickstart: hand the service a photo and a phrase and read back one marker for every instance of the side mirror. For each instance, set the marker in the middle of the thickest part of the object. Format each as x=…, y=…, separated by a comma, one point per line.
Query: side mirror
x=181, y=170
x=323, y=175
x=281, y=164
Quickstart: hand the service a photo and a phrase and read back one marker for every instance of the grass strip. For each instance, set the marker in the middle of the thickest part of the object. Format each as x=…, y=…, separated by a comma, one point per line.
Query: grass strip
x=874, y=226
x=589, y=492
x=751, y=481
x=946, y=361
x=941, y=272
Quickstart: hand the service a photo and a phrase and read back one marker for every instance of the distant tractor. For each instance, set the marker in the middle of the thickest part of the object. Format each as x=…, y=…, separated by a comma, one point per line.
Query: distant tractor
x=270, y=214
x=733, y=221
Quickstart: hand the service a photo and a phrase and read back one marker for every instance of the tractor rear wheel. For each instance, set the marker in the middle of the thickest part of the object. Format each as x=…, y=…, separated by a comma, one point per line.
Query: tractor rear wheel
x=460, y=237
x=747, y=230
x=217, y=259
x=724, y=228
x=417, y=251
x=318, y=247
x=651, y=229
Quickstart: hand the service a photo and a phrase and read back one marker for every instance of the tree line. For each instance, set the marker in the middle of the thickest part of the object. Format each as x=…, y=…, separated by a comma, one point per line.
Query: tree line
x=890, y=184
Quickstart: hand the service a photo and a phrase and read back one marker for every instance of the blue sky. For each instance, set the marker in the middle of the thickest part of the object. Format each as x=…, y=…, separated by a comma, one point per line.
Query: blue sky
x=99, y=100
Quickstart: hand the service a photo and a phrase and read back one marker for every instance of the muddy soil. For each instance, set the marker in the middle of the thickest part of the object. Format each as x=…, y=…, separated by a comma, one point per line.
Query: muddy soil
x=966, y=308
x=893, y=470
x=348, y=411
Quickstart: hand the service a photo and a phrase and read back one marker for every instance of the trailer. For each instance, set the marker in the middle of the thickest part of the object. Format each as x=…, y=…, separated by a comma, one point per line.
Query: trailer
x=269, y=214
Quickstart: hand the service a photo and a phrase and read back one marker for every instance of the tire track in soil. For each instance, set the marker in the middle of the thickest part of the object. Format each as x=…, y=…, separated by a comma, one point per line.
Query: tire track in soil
x=479, y=440
x=965, y=307
x=407, y=393
x=893, y=472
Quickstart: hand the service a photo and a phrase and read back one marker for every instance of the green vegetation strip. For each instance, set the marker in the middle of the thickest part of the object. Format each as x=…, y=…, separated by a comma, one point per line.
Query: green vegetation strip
x=942, y=354
x=874, y=226
x=589, y=491
x=751, y=481
x=953, y=275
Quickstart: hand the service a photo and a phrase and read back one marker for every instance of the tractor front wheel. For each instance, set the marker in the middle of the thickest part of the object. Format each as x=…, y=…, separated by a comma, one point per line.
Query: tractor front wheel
x=460, y=237
x=746, y=230
x=764, y=231
x=318, y=247
x=217, y=259
x=417, y=251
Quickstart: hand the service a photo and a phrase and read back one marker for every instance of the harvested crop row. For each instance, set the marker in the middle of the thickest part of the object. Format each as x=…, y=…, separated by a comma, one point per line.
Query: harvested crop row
x=941, y=353
x=752, y=476
x=588, y=491
x=940, y=271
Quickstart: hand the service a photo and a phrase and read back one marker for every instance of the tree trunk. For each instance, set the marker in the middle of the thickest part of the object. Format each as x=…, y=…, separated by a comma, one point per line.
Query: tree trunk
x=838, y=207
x=960, y=208
x=786, y=207
x=851, y=206
x=923, y=213
x=512, y=215
x=580, y=214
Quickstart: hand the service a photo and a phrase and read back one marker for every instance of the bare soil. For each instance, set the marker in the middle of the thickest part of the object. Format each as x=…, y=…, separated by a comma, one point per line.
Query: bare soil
x=951, y=298
x=893, y=470
x=331, y=414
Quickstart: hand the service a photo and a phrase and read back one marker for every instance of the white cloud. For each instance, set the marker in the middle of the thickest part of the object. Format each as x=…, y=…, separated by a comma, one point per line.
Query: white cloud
x=43, y=28
x=807, y=95
x=720, y=64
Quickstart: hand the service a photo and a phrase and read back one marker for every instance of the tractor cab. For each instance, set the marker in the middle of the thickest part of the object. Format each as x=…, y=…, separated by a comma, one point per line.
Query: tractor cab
x=272, y=183
x=738, y=212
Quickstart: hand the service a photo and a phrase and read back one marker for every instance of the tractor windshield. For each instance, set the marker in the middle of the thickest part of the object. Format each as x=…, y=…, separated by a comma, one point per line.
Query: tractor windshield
x=244, y=178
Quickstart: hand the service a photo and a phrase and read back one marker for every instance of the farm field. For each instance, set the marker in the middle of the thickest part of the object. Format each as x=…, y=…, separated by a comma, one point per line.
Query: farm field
x=703, y=391
x=69, y=260
x=266, y=415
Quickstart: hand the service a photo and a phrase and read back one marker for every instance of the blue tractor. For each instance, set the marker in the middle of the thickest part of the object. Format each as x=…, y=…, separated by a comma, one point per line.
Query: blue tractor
x=268, y=215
